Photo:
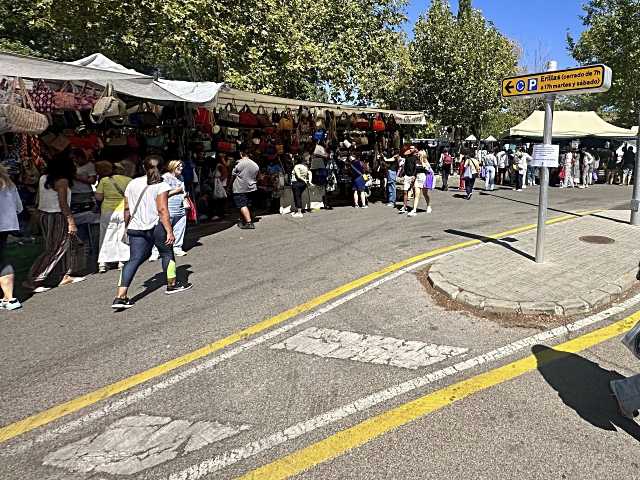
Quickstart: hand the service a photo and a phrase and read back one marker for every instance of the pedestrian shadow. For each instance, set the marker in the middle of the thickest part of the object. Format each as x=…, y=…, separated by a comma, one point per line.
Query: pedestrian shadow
x=583, y=386
x=501, y=242
x=159, y=280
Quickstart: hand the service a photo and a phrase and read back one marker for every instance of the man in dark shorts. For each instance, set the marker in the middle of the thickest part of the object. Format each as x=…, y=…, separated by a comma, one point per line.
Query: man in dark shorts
x=245, y=183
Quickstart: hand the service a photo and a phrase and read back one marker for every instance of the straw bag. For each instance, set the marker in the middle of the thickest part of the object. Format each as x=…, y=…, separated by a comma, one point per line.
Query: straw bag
x=65, y=99
x=108, y=106
x=24, y=119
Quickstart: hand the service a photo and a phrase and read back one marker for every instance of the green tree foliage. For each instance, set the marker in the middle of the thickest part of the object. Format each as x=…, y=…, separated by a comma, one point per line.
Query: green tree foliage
x=347, y=49
x=612, y=36
x=458, y=65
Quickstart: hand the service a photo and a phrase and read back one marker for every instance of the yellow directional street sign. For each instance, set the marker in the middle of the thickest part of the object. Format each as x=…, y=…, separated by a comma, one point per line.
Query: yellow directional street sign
x=574, y=81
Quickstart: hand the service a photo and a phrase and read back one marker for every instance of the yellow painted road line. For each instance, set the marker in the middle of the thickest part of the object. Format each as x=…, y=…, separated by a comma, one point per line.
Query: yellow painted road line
x=374, y=427
x=47, y=416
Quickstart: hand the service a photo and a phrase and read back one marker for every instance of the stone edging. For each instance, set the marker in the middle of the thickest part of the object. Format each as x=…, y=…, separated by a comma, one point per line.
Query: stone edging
x=571, y=306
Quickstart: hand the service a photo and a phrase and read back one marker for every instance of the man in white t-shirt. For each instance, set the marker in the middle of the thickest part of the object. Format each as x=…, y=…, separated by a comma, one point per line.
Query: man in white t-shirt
x=148, y=224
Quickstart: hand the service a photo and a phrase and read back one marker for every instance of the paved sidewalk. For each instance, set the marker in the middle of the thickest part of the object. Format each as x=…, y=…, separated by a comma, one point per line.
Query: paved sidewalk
x=500, y=276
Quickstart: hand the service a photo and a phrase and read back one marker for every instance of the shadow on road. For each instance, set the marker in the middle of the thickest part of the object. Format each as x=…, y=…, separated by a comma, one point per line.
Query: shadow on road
x=159, y=280
x=502, y=242
x=584, y=386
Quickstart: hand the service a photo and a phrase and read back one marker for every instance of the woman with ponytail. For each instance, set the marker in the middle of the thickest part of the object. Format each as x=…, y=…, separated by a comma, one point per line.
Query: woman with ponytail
x=146, y=213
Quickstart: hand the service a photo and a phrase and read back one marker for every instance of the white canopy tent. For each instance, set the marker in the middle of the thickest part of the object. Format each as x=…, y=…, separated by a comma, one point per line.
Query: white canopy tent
x=490, y=139
x=471, y=138
x=570, y=125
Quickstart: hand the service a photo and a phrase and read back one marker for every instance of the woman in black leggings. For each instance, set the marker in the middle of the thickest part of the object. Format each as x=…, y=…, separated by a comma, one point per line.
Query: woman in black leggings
x=147, y=216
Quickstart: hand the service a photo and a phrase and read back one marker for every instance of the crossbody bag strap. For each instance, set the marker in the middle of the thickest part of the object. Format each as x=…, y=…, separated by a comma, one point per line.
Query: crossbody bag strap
x=116, y=186
x=138, y=204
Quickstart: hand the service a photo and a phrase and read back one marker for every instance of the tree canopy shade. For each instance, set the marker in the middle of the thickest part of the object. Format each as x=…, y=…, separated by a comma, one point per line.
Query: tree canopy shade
x=458, y=64
x=612, y=36
x=333, y=49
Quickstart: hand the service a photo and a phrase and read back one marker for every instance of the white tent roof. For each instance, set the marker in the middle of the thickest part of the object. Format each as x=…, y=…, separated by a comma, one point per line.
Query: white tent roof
x=12, y=65
x=471, y=138
x=491, y=138
x=167, y=90
x=570, y=125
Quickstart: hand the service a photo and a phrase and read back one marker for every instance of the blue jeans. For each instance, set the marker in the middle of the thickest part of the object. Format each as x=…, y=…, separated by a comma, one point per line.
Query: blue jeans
x=140, y=244
x=531, y=177
x=391, y=186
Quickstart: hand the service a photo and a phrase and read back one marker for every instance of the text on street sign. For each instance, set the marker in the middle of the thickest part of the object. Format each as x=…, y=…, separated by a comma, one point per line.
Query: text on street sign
x=574, y=81
x=545, y=155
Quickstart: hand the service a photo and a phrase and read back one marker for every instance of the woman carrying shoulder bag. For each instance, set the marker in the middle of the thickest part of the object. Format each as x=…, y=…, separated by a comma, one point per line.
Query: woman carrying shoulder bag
x=146, y=212
x=11, y=207
x=110, y=192
x=470, y=173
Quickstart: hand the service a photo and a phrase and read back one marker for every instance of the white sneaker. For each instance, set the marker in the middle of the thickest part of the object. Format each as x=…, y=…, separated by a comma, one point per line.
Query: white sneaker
x=120, y=265
x=178, y=252
x=297, y=215
x=391, y=204
x=12, y=304
x=412, y=213
x=281, y=210
x=429, y=210
x=403, y=210
x=366, y=206
x=153, y=258
x=102, y=268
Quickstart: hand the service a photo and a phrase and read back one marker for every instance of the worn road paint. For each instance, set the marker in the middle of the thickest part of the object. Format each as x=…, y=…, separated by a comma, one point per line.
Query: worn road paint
x=54, y=413
x=358, y=347
x=219, y=462
x=374, y=427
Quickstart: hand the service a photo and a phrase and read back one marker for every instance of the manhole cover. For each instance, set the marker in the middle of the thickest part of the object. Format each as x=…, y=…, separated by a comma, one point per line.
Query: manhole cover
x=597, y=239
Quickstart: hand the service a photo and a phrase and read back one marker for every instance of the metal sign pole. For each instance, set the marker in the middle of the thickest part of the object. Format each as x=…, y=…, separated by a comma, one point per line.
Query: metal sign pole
x=635, y=200
x=543, y=201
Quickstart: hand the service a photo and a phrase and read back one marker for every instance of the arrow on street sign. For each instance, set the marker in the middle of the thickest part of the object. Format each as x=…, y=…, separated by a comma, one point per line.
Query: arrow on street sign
x=573, y=81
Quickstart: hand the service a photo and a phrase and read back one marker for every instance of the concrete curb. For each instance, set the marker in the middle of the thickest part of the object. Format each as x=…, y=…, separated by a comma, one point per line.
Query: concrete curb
x=566, y=307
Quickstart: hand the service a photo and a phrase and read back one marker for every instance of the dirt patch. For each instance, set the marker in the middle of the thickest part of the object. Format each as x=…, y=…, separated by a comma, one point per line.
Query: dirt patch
x=540, y=322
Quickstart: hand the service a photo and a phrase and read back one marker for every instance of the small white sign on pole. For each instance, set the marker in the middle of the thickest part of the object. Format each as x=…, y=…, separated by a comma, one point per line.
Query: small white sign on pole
x=545, y=155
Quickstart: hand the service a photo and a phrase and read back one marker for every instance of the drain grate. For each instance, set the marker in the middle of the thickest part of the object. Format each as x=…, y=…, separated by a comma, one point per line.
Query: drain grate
x=597, y=239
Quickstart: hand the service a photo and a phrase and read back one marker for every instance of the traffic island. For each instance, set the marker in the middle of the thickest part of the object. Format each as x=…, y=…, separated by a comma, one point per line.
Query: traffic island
x=590, y=262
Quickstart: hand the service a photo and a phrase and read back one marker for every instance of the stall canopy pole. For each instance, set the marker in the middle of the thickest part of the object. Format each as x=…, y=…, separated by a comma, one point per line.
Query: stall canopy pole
x=635, y=200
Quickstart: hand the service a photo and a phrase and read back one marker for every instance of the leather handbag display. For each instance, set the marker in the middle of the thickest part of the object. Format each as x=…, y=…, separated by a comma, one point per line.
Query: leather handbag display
x=378, y=124
x=65, y=98
x=320, y=121
x=248, y=118
x=286, y=121
x=229, y=114
x=226, y=147
x=362, y=122
x=263, y=118
x=343, y=122
x=108, y=106
x=144, y=117
x=86, y=98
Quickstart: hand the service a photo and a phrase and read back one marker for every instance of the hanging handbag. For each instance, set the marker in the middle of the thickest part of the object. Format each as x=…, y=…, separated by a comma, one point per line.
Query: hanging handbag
x=144, y=117
x=43, y=97
x=362, y=123
x=23, y=119
x=125, y=237
x=320, y=121
x=378, y=123
x=248, y=118
x=85, y=99
x=108, y=106
x=226, y=147
x=275, y=117
x=229, y=114
x=263, y=118
x=286, y=122
x=65, y=98
x=343, y=122
x=391, y=125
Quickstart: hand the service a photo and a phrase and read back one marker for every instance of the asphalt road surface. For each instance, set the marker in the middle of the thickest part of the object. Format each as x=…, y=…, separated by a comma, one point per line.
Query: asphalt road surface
x=308, y=347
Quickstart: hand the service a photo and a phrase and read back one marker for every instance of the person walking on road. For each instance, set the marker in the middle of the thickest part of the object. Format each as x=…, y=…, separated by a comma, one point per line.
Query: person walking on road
x=520, y=170
x=423, y=183
x=567, y=181
x=358, y=183
x=446, y=160
x=393, y=164
x=471, y=168
x=244, y=184
x=110, y=194
x=301, y=177
x=611, y=167
x=11, y=207
x=146, y=212
x=58, y=226
x=628, y=162
x=502, y=159
x=409, y=175
x=587, y=169
x=490, y=165
x=177, y=211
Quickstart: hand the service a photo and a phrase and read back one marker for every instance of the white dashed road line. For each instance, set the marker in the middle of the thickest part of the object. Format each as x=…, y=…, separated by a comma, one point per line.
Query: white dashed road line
x=219, y=462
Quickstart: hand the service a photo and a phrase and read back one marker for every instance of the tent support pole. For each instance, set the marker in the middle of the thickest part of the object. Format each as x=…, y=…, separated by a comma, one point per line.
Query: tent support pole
x=635, y=199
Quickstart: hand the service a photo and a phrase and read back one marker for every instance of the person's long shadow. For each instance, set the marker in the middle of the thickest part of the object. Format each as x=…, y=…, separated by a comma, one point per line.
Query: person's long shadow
x=159, y=280
x=584, y=386
x=503, y=242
